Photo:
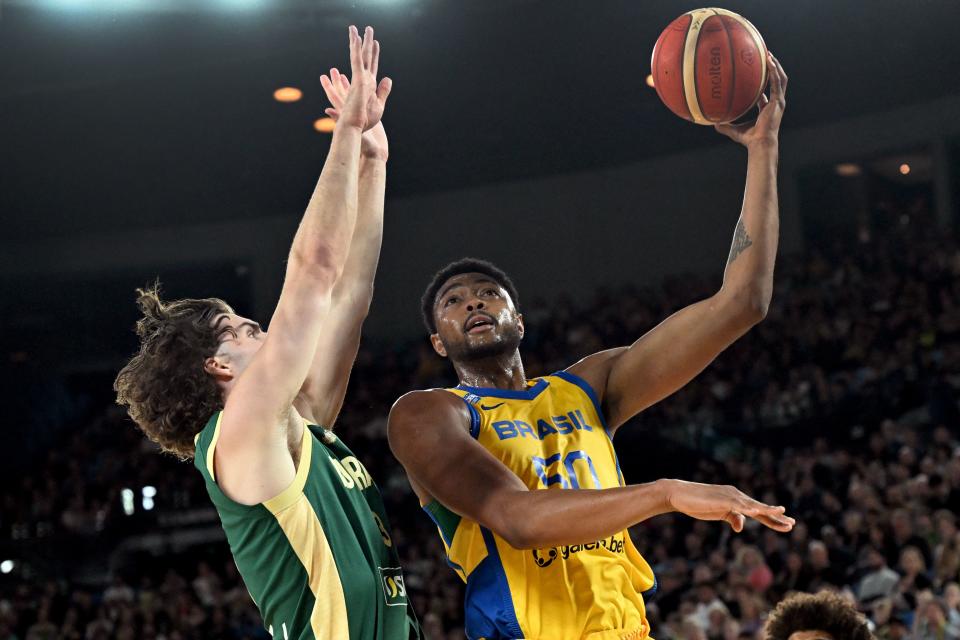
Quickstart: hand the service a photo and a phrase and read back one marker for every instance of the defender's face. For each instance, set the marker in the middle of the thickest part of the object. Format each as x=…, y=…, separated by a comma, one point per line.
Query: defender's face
x=810, y=635
x=475, y=318
x=240, y=339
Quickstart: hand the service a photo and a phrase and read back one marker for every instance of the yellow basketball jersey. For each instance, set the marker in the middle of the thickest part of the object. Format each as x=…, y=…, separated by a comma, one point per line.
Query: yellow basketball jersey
x=553, y=436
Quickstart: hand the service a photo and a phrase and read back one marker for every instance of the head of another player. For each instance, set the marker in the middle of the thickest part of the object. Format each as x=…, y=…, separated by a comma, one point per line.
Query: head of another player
x=824, y=616
x=191, y=352
x=470, y=311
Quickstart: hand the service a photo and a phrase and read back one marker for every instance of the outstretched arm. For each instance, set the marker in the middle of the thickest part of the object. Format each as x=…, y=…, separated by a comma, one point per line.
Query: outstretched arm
x=253, y=462
x=429, y=434
x=630, y=379
x=321, y=396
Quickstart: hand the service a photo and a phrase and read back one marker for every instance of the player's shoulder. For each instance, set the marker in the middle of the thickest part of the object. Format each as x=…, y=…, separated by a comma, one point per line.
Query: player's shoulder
x=595, y=368
x=425, y=407
x=424, y=400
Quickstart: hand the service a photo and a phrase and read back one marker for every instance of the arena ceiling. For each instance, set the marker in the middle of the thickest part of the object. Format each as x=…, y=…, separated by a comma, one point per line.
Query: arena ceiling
x=131, y=113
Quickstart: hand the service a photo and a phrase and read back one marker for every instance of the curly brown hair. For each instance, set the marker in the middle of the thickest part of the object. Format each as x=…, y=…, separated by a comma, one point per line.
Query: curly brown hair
x=164, y=386
x=825, y=611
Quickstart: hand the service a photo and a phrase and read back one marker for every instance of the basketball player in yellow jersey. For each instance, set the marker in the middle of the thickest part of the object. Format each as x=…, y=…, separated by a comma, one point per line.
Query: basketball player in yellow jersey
x=559, y=564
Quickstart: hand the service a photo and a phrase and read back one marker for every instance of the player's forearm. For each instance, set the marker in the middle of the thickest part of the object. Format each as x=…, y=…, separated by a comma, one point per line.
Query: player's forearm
x=323, y=238
x=541, y=519
x=355, y=287
x=749, y=272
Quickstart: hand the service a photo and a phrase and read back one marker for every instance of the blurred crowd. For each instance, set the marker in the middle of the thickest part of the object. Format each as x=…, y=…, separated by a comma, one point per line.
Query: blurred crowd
x=841, y=405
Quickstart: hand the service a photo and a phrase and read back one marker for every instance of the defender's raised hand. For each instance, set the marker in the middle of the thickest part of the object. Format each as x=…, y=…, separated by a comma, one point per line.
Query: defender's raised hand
x=365, y=99
x=766, y=128
x=337, y=87
x=720, y=502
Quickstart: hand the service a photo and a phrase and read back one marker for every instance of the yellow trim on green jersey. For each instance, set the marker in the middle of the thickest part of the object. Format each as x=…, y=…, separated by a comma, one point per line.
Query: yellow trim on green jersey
x=289, y=495
x=213, y=445
x=300, y=524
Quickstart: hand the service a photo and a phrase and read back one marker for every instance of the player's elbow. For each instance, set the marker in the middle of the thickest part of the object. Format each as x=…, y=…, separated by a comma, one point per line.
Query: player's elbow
x=321, y=266
x=518, y=526
x=749, y=306
x=757, y=308
x=519, y=535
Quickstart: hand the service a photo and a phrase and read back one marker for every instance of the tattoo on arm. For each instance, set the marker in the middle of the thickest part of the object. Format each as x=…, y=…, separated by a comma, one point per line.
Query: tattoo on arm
x=741, y=242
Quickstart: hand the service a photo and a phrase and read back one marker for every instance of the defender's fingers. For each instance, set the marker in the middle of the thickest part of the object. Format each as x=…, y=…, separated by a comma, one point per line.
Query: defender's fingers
x=368, y=48
x=333, y=113
x=383, y=89
x=344, y=83
x=329, y=88
x=375, y=63
x=356, y=62
x=336, y=79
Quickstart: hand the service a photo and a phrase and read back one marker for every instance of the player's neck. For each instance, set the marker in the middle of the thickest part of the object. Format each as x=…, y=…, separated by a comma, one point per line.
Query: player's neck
x=498, y=372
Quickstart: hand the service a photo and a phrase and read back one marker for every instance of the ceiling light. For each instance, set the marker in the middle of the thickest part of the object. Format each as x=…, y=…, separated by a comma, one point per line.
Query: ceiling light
x=287, y=94
x=848, y=169
x=650, y=80
x=904, y=169
x=325, y=125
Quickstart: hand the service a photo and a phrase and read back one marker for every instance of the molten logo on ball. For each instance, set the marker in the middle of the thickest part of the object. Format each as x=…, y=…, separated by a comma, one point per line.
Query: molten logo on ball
x=715, y=73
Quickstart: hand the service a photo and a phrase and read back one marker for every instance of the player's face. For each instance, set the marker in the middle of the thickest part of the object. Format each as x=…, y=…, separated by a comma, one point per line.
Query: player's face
x=240, y=338
x=475, y=319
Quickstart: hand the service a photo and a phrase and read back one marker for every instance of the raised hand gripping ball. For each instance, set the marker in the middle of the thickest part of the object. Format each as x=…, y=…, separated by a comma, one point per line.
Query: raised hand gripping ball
x=709, y=66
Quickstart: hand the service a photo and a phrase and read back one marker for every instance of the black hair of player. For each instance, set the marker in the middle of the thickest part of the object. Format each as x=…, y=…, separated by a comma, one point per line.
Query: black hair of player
x=463, y=265
x=825, y=611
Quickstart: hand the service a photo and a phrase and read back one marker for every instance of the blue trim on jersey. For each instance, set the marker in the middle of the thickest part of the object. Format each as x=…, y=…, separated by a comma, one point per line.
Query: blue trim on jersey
x=652, y=591
x=509, y=394
x=474, y=420
x=489, y=608
x=616, y=460
x=453, y=565
x=587, y=389
x=449, y=541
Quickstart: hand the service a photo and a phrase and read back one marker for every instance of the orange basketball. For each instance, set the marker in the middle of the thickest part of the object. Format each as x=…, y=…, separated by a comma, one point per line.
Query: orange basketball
x=709, y=66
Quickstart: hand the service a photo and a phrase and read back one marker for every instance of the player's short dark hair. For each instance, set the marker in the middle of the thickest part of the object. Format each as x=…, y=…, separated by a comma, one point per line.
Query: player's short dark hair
x=463, y=265
x=164, y=387
x=825, y=611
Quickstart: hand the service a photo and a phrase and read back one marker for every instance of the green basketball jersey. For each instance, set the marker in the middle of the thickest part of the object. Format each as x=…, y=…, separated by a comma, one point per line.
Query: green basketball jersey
x=318, y=559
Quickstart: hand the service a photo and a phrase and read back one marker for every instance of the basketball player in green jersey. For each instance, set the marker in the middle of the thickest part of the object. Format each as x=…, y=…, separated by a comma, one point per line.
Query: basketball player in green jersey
x=559, y=565
x=305, y=523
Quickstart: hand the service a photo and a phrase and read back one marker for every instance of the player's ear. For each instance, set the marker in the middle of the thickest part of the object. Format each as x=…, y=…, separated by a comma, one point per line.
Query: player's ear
x=219, y=367
x=438, y=345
